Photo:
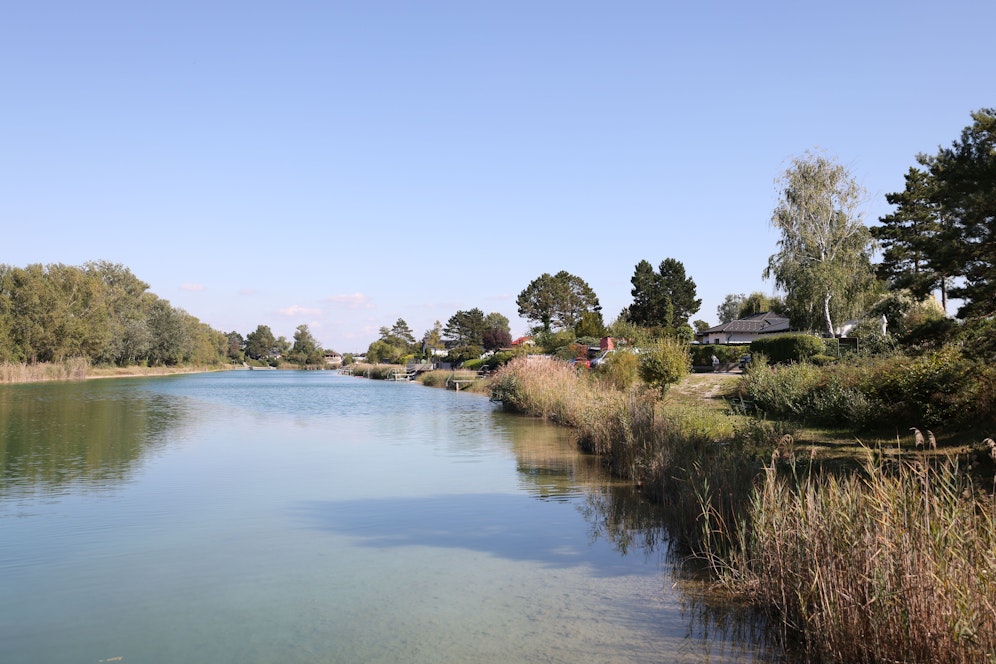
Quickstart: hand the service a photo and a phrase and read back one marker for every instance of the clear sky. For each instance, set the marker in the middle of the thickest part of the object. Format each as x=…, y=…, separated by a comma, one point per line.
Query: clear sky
x=345, y=164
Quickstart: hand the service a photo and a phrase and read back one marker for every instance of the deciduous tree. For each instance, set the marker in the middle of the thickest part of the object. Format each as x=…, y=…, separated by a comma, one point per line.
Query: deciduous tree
x=260, y=342
x=729, y=310
x=556, y=301
x=497, y=333
x=306, y=349
x=824, y=259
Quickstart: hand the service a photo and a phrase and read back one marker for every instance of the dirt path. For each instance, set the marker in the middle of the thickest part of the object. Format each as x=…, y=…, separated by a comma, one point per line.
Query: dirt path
x=706, y=386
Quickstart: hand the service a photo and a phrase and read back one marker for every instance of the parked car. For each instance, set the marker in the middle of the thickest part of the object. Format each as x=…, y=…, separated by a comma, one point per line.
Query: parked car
x=577, y=361
x=605, y=354
x=744, y=361
x=601, y=358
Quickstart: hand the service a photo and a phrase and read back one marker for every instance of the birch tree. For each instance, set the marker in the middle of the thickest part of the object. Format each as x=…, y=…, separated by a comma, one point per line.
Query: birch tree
x=824, y=255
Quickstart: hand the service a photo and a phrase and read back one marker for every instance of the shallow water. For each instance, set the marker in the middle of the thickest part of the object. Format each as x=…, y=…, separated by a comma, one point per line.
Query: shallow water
x=310, y=517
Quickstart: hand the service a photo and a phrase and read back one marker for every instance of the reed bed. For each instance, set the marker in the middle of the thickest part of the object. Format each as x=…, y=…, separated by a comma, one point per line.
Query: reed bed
x=891, y=560
x=896, y=563
x=376, y=371
x=545, y=387
x=678, y=455
x=444, y=378
x=22, y=372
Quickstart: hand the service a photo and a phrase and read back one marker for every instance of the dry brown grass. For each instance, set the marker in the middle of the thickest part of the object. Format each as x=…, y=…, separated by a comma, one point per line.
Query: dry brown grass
x=21, y=372
x=80, y=369
x=895, y=563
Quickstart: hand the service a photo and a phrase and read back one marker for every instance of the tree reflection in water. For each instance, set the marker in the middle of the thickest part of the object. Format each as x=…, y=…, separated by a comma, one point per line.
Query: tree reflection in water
x=718, y=624
x=551, y=467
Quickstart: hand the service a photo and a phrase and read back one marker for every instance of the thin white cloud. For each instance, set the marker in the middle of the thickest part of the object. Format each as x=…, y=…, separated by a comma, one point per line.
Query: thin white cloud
x=295, y=310
x=247, y=291
x=193, y=288
x=354, y=301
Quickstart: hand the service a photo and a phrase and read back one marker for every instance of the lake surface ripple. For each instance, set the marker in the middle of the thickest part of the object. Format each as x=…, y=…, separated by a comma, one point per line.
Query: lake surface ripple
x=310, y=517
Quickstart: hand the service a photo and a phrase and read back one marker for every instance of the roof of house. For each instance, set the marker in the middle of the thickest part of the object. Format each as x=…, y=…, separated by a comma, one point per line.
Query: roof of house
x=765, y=322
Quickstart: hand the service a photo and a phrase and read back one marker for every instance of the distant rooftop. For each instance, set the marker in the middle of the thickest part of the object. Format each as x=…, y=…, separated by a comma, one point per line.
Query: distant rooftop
x=765, y=322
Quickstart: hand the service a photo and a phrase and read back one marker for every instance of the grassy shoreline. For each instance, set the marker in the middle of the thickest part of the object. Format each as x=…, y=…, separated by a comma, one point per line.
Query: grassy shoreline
x=887, y=557
x=13, y=373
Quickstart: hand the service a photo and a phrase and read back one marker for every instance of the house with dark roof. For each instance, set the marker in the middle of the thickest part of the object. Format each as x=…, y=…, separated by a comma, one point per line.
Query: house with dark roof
x=744, y=330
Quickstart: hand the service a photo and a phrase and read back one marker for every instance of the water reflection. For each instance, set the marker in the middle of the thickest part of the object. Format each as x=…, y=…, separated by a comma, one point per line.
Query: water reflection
x=262, y=527
x=54, y=437
x=551, y=468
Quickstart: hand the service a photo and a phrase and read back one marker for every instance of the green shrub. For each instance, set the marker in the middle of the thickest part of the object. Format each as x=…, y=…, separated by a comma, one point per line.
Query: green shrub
x=792, y=347
x=833, y=403
x=464, y=353
x=934, y=388
x=551, y=342
x=937, y=388
x=474, y=364
x=978, y=339
x=620, y=369
x=503, y=357
x=781, y=391
x=665, y=362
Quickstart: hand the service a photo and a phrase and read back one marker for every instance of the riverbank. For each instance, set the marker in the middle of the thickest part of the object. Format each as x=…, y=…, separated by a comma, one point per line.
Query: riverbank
x=78, y=370
x=886, y=555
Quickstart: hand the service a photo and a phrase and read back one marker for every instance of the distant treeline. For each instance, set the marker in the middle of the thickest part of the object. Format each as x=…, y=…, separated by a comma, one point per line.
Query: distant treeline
x=101, y=312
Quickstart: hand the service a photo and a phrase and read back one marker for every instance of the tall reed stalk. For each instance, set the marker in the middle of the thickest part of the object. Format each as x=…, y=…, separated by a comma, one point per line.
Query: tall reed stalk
x=21, y=372
x=678, y=455
x=889, y=562
x=894, y=564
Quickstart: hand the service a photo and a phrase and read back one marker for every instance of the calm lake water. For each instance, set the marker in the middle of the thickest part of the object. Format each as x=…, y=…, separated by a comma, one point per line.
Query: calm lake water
x=310, y=517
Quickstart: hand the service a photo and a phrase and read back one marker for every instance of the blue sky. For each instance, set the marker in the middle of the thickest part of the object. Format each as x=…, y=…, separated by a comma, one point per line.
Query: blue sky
x=346, y=164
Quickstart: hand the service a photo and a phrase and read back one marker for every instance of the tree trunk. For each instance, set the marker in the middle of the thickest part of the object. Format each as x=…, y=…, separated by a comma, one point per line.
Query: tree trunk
x=826, y=314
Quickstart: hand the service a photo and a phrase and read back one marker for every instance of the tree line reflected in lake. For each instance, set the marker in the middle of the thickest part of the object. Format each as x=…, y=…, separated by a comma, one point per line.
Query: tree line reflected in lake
x=54, y=437
x=57, y=440
x=551, y=468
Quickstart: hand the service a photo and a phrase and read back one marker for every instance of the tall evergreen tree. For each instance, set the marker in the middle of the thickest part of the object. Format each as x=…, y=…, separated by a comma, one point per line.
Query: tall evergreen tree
x=662, y=299
x=965, y=175
x=911, y=237
x=652, y=306
x=681, y=290
x=465, y=328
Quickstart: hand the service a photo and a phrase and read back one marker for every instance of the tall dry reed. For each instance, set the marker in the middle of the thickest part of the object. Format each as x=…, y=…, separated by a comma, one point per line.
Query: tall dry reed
x=21, y=372
x=894, y=564
x=678, y=455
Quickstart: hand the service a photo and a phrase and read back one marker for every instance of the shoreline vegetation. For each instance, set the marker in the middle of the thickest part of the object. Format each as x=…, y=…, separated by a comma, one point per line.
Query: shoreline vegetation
x=885, y=554
x=79, y=369
x=876, y=551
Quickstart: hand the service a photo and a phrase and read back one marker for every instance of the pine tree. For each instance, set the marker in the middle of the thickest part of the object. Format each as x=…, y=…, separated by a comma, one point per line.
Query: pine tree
x=966, y=190
x=911, y=237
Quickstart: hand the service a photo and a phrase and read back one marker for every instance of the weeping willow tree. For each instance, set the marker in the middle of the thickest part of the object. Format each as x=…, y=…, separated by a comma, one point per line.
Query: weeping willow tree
x=823, y=262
